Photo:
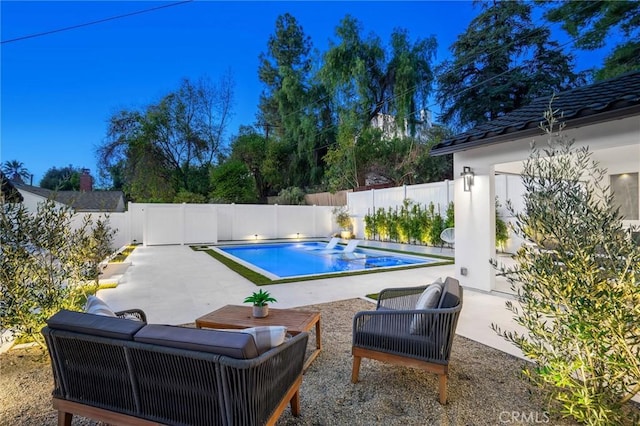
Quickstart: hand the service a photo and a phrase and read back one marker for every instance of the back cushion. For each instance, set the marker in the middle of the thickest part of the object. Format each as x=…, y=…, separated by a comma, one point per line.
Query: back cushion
x=428, y=300
x=97, y=325
x=235, y=345
x=450, y=293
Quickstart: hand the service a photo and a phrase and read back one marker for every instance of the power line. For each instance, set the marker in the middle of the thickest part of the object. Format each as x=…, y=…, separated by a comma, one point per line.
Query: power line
x=99, y=21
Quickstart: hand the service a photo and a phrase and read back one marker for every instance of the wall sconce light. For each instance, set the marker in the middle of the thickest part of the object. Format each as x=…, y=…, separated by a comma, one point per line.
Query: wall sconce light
x=467, y=178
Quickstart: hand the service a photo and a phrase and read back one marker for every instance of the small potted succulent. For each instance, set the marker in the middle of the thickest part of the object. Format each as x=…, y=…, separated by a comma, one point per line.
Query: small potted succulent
x=260, y=300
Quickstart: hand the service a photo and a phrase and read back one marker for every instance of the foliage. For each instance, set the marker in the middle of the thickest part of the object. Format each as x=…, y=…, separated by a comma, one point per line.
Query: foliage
x=579, y=301
x=62, y=179
x=232, y=183
x=501, y=63
x=291, y=106
x=260, y=298
x=341, y=215
x=184, y=196
x=591, y=24
x=291, y=196
x=45, y=264
x=450, y=219
x=410, y=223
x=253, y=150
x=367, y=81
x=14, y=169
x=502, y=231
x=179, y=138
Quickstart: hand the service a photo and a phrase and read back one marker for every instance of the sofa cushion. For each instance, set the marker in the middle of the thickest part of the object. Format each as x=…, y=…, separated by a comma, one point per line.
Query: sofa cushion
x=428, y=300
x=97, y=306
x=266, y=337
x=450, y=296
x=97, y=325
x=235, y=345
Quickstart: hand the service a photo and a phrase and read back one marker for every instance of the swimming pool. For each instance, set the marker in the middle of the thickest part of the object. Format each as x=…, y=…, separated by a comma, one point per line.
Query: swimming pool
x=286, y=260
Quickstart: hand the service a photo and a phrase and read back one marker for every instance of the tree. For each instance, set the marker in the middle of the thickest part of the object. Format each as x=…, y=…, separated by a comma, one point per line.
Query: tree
x=62, y=179
x=591, y=23
x=250, y=147
x=293, y=106
x=232, y=182
x=179, y=138
x=367, y=81
x=502, y=62
x=577, y=284
x=45, y=263
x=15, y=170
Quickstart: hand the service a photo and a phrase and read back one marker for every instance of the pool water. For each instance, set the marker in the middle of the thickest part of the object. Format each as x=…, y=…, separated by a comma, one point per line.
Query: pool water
x=284, y=260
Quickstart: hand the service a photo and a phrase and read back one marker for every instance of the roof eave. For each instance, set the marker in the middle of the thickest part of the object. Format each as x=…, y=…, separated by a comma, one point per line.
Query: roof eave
x=571, y=123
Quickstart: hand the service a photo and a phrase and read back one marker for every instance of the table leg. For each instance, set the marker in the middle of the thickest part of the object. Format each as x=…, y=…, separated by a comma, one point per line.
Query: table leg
x=316, y=352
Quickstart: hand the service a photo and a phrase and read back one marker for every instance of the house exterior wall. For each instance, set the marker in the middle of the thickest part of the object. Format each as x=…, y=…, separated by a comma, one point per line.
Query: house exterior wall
x=475, y=210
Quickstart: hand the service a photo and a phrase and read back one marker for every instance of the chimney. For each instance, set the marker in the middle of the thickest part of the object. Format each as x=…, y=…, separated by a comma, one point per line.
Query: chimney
x=86, y=181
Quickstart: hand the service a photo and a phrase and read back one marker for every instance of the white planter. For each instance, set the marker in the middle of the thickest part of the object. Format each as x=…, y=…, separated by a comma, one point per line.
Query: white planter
x=260, y=311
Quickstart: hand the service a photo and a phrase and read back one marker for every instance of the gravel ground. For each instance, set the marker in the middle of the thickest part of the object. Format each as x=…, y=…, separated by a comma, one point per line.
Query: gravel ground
x=485, y=386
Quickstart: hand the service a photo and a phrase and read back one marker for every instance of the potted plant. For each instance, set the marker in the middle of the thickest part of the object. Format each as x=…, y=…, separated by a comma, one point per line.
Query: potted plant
x=260, y=300
x=343, y=220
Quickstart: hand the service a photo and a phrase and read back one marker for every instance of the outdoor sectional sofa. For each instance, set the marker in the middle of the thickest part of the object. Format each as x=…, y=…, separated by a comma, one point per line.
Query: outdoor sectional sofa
x=123, y=371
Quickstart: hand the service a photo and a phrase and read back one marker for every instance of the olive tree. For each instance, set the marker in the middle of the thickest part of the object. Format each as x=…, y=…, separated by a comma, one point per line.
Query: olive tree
x=578, y=285
x=46, y=264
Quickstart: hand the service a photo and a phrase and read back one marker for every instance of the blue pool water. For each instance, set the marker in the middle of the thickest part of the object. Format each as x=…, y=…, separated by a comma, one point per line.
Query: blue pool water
x=310, y=258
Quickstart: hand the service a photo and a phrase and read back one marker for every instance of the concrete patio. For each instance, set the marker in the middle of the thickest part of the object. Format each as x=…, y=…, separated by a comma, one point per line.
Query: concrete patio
x=175, y=285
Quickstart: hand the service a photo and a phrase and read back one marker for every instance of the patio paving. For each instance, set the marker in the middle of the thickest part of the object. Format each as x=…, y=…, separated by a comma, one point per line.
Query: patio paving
x=176, y=285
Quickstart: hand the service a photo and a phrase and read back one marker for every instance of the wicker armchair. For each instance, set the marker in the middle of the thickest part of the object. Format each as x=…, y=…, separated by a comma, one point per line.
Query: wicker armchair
x=385, y=334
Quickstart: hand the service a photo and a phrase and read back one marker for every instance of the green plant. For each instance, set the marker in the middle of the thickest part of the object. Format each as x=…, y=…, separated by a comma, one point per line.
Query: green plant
x=502, y=231
x=369, y=226
x=578, y=301
x=45, y=264
x=260, y=298
x=342, y=217
x=291, y=196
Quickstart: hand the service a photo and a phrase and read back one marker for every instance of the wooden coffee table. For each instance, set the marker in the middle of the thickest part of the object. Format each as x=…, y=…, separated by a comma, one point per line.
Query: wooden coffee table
x=234, y=316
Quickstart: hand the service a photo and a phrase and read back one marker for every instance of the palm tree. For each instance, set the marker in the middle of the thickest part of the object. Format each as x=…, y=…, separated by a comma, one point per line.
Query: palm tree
x=15, y=170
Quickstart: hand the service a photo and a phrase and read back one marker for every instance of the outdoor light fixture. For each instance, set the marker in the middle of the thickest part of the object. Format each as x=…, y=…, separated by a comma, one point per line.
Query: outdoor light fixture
x=256, y=236
x=467, y=178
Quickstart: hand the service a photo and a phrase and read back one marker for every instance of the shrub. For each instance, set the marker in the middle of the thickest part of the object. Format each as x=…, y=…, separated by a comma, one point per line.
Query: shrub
x=578, y=302
x=291, y=196
x=45, y=265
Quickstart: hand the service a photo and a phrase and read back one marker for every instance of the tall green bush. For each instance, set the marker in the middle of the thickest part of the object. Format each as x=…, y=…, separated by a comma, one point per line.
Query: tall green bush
x=580, y=301
x=45, y=265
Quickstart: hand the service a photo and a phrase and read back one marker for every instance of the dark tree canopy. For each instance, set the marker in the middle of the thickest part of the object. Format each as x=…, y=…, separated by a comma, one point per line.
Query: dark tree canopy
x=501, y=63
x=169, y=146
x=291, y=106
x=591, y=24
x=62, y=179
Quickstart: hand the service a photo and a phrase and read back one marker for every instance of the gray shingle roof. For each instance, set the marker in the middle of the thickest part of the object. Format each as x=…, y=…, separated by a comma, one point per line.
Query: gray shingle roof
x=607, y=100
x=87, y=201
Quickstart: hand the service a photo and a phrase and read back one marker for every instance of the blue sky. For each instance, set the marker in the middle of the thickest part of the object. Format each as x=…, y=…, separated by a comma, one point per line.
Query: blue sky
x=59, y=90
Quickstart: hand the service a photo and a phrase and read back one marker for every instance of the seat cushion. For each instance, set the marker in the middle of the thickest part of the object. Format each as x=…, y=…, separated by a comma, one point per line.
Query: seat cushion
x=428, y=300
x=97, y=325
x=97, y=306
x=235, y=345
x=391, y=335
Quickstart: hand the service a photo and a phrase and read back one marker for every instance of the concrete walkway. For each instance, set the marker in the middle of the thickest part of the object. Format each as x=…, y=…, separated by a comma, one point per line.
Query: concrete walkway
x=176, y=285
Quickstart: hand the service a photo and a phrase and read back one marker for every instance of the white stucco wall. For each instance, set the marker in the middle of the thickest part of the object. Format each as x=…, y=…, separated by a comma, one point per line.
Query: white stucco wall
x=616, y=144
